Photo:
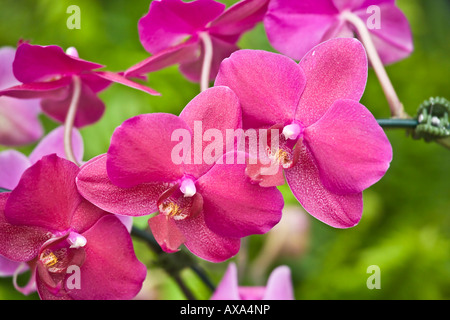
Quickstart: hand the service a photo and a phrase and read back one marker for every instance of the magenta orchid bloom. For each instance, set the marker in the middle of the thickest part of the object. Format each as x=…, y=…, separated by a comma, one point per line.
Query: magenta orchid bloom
x=279, y=286
x=330, y=146
x=45, y=223
x=19, y=122
x=138, y=176
x=163, y=32
x=12, y=165
x=47, y=72
x=294, y=27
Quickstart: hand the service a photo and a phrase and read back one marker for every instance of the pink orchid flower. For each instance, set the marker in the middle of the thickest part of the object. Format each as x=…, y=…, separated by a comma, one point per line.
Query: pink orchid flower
x=294, y=27
x=12, y=165
x=177, y=32
x=47, y=72
x=330, y=147
x=45, y=223
x=279, y=286
x=19, y=122
x=207, y=206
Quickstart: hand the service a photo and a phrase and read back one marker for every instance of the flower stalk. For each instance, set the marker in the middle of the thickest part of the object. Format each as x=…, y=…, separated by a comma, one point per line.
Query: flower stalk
x=207, y=60
x=70, y=119
x=396, y=107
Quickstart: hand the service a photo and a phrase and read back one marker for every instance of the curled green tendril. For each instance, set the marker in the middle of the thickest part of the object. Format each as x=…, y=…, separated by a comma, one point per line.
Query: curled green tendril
x=433, y=120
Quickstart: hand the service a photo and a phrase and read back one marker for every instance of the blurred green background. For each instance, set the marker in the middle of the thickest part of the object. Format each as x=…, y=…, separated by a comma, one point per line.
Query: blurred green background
x=405, y=228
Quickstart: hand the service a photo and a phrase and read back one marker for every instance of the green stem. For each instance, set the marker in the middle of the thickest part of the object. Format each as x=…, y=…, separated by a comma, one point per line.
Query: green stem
x=4, y=190
x=398, y=123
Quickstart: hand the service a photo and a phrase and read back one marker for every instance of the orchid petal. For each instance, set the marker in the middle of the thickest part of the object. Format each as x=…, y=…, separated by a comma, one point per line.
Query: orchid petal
x=90, y=107
x=228, y=288
x=46, y=195
x=218, y=109
x=141, y=150
x=51, y=89
x=19, y=122
x=335, y=69
x=239, y=18
x=7, y=79
x=115, y=77
x=351, y=150
x=191, y=69
x=294, y=27
x=53, y=142
x=19, y=242
x=393, y=40
x=121, y=274
x=168, y=22
x=254, y=209
x=336, y=210
x=166, y=233
x=268, y=85
x=37, y=63
x=185, y=52
x=279, y=285
x=12, y=165
x=205, y=243
x=93, y=183
x=8, y=267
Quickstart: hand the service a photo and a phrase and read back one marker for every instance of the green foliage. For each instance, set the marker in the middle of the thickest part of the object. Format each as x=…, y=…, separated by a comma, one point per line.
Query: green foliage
x=405, y=228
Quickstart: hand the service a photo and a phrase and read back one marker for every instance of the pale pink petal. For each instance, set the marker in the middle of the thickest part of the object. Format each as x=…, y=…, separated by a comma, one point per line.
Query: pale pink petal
x=19, y=121
x=141, y=150
x=279, y=285
x=94, y=185
x=294, y=27
x=216, y=110
x=393, y=40
x=7, y=79
x=169, y=22
x=12, y=165
x=351, y=150
x=53, y=142
x=335, y=69
x=9, y=267
x=37, y=63
x=268, y=85
x=46, y=195
x=228, y=288
x=253, y=209
x=340, y=211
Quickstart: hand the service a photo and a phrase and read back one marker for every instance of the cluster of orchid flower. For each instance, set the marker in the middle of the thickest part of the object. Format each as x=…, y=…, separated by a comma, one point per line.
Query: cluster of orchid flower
x=58, y=211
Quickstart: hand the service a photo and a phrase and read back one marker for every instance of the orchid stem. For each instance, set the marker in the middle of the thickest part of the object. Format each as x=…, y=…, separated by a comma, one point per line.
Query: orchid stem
x=207, y=60
x=70, y=119
x=398, y=123
x=396, y=107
